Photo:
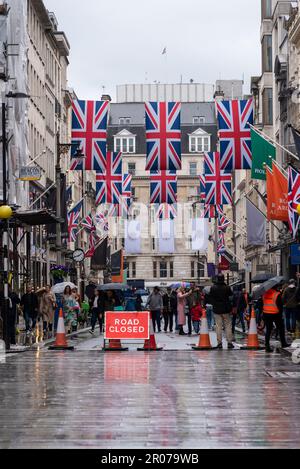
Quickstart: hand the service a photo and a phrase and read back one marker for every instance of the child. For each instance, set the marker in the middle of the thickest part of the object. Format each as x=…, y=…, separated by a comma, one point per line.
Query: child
x=196, y=317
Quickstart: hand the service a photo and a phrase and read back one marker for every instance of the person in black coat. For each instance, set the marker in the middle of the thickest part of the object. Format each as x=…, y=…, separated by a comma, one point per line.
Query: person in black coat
x=97, y=307
x=30, y=305
x=220, y=297
x=12, y=318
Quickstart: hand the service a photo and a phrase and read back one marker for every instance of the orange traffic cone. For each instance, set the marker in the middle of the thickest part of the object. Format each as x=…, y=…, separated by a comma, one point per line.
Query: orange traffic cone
x=61, y=341
x=253, y=342
x=150, y=344
x=204, y=341
x=114, y=345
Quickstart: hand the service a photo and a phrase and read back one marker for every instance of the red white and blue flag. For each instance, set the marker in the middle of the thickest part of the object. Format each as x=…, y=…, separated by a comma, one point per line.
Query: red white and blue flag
x=101, y=221
x=109, y=181
x=73, y=221
x=89, y=134
x=218, y=183
x=294, y=200
x=202, y=191
x=166, y=212
x=88, y=223
x=221, y=248
x=127, y=190
x=210, y=211
x=94, y=241
x=163, y=135
x=223, y=222
x=163, y=187
x=234, y=118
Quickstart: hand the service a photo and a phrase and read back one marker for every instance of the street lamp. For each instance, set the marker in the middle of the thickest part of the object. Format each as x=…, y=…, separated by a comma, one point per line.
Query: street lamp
x=5, y=215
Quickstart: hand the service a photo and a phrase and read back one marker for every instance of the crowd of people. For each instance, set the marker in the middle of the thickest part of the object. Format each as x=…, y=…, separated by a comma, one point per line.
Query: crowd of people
x=176, y=310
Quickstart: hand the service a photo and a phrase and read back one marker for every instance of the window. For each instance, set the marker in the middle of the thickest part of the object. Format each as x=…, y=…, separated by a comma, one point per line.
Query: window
x=133, y=270
x=266, y=12
x=268, y=106
x=163, y=269
x=125, y=120
x=154, y=269
x=171, y=269
x=199, y=144
x=193, y=169
x=198, y=120
x=125, y=144
x=133, y=192
x=132, y=168
x=153, y=244
x=267, y=54
x=199, y=267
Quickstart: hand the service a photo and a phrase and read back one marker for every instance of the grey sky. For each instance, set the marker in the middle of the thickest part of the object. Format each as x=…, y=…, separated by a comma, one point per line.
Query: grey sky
x=121, y=41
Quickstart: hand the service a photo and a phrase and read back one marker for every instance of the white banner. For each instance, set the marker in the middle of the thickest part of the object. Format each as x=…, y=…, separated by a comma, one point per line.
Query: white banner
x=166, y=238
x=200, y=234
x=133, y=237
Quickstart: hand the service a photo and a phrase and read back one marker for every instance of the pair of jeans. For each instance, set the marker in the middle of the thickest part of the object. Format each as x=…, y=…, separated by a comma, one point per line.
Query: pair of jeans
x=270, y=320
x=168, y=320
x=97, y=316
x=30, y=317
x=210, y=316
x=234, y=318
x=291, y=319
x=226, y=320
x=196, y=325
x=156, y=320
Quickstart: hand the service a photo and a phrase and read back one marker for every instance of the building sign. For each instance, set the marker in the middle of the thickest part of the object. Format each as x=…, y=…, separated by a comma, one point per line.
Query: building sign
x=127, y=326
x=30, y=173
x=295, y=254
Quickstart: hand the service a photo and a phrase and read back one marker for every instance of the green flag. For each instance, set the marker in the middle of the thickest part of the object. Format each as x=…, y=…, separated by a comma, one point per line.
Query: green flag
x=263, y=153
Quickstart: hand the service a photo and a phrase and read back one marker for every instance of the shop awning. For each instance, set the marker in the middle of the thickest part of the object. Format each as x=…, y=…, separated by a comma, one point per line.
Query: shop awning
x=36, y=217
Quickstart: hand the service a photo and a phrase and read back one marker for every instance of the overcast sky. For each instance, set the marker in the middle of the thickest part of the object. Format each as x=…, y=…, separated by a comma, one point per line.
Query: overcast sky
x=121, y=41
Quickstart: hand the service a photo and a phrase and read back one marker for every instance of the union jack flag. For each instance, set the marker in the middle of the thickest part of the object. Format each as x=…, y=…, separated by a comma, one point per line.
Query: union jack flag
x=166, y=212
x=110, y=180
x=88, y=223
x=221, y=248
x=223, y=222
x=163, y=187
x=127, y=190
x=163, y=135
x=234, y=118
x=89, y=133
x=294, y=200
x=94, y=241
x=210, y=211
x=101, y=221
x=218, y=183
x=73, y=221
x=202, y=191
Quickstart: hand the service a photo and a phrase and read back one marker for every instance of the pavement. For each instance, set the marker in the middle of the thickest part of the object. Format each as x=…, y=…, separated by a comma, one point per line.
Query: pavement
x=174, y=399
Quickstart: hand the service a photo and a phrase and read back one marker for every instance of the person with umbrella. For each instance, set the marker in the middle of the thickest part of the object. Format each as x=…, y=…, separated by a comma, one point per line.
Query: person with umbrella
x=273, y=314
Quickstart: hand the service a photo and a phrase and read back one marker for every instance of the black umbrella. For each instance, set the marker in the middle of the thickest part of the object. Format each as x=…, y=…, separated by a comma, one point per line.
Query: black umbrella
x=261, y=278
x=260, y=291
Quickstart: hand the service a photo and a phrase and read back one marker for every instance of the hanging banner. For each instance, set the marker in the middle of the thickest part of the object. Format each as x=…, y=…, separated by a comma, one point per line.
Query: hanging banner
x=200, y=234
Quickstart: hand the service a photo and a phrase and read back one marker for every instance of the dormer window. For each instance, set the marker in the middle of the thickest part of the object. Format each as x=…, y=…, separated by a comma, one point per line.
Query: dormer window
x=199, y=141
x=125, y=120
x=125, y=142
x=198, y=120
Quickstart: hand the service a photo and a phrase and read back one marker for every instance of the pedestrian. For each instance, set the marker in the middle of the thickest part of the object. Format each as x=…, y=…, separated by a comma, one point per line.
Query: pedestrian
x=220, y=298
x=168, y=313
x=155, y=306
x=291, y=305
x=47, y=304
x=70, y=309
x=192, y=300
x=182, y=296
x=174, y=312
x=138, y=303
x=196, y=314
x=209, y=308
x=239, y=308
x=273, y=314
x=97, y=306
x=29, y=304
x=14, y=302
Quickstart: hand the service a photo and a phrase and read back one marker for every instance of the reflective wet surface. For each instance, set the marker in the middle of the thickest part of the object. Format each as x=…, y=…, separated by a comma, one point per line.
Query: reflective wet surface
x=179, y=399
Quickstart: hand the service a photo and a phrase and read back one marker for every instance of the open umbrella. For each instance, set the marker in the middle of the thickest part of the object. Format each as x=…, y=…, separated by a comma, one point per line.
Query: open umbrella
x=262, y=289
x=60, y=287
x=113, y=287
x=181, y=285
x=261, y=278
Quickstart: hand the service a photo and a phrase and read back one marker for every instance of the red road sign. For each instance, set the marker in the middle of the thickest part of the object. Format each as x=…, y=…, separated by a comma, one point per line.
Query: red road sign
x=127, y=326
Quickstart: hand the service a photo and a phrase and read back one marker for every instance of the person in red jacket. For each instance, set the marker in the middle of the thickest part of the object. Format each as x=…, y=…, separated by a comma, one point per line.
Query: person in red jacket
x=196, y=317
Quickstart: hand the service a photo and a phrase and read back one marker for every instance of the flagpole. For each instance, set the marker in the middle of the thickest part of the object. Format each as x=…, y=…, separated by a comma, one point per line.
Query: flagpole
x=266, y=137
x=242, y=232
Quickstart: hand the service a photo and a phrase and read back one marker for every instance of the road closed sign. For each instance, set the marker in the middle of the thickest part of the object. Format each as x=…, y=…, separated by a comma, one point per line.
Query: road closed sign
x=127, y=326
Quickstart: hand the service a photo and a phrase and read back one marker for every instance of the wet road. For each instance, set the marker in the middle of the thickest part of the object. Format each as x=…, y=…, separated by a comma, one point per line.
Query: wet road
x=179, y=399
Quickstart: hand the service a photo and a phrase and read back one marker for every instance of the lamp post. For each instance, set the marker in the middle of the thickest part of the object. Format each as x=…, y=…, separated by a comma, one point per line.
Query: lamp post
x=5, y=214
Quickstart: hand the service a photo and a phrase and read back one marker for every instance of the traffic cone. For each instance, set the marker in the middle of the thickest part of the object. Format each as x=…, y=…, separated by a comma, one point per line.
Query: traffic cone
x=61, y=341
x=114, y=345
x=253, y=342
x=150, y=344
x=204, y=341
